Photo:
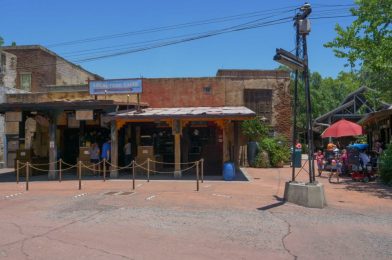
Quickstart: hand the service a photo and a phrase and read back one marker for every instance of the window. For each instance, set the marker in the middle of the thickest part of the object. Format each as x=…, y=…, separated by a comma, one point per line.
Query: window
x=260, y=101
x=207, y=90
x=25, y=81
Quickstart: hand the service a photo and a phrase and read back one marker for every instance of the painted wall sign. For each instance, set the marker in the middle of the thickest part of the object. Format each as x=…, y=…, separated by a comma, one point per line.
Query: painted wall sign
x=115, y=86
x=84, y=114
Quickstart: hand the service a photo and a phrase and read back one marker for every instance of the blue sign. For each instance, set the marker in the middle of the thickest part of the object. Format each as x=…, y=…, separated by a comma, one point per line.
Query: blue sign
x=115, y=86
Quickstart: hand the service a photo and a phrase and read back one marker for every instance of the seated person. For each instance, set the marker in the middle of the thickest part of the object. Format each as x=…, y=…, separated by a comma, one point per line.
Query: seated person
x=364, y=158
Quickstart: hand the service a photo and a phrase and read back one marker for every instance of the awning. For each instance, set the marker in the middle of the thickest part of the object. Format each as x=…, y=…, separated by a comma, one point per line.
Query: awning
x=233, y=113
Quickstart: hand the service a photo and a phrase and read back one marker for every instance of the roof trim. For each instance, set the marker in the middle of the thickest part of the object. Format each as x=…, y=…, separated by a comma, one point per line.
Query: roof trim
x=239, y=112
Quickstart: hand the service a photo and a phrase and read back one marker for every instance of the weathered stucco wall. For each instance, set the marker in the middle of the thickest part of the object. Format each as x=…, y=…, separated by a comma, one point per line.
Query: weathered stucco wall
x=9, y=79
x=68, y=74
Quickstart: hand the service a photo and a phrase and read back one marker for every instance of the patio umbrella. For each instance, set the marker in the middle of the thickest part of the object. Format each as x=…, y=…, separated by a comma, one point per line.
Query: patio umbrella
x=342, y=128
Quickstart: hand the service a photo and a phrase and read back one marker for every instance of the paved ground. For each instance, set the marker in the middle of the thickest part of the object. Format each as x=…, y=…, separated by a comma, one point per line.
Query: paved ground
x=170, y=220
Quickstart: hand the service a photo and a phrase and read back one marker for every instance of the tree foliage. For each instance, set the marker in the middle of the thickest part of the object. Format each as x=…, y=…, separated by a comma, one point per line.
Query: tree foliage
x=326, y=94
x=367, y=43
x=1, y=41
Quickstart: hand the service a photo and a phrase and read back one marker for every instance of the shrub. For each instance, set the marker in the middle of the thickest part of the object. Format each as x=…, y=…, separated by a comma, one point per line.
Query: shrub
x=386, y=165
x=254, y=129
x=277, y=150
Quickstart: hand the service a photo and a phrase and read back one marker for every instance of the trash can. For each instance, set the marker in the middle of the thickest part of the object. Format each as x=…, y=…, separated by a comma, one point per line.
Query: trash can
x=228, y=171
x=297, y=158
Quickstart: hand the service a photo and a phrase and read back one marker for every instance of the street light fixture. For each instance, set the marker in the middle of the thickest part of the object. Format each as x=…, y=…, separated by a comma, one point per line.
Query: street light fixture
x=290, y=60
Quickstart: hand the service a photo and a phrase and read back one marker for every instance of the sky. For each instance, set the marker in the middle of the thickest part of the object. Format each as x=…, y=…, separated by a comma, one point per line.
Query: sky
x=110, y=26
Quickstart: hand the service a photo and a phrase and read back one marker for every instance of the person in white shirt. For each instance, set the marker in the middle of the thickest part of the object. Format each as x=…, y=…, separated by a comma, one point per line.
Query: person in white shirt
x=364, y=158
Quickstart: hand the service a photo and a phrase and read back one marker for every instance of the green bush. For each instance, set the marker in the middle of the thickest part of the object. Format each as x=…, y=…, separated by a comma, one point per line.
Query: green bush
x=254, y=129
x=277, y=149
x=262, y=160
x=386, y=165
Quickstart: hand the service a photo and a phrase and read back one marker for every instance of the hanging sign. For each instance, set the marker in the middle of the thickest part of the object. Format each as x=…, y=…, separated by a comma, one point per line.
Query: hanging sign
x=115, y=86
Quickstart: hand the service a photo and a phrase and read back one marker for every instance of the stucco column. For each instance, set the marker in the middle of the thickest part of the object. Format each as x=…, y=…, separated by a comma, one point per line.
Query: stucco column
x=52, y=174
x=114, y=149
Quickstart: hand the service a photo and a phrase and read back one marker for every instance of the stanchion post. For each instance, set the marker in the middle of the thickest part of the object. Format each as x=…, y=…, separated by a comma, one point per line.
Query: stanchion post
x=104, y=169
x=202, y=170
x=27, y=175
x=80, y=175
x=197, y=176
x=148, y=169
x=17, y=171
x=60, y=172
x=133, y=174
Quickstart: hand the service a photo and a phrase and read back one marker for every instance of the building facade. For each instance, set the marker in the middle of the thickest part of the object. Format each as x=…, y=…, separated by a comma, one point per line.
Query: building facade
x=179, y=119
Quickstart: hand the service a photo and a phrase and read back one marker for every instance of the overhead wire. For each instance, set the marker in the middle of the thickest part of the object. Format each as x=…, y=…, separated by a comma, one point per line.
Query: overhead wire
x=244, y=26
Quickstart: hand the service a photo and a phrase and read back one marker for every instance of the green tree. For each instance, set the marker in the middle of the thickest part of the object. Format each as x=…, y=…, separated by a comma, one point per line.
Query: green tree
x=367, y=44
x=1, y=41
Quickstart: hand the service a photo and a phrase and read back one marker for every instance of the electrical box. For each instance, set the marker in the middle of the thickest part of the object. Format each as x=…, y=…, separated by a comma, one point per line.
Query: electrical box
x=304, y=26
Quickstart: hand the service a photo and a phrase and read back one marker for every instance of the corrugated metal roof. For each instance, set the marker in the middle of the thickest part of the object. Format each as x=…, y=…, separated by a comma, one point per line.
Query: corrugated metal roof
x=186, y=112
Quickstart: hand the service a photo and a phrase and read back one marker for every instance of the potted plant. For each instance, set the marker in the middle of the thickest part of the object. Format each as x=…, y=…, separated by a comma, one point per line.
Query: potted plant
x=253, y=129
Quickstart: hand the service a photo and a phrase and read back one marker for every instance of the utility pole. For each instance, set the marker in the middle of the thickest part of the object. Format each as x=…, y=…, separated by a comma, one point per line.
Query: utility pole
x=309, y=194
x=303, y=28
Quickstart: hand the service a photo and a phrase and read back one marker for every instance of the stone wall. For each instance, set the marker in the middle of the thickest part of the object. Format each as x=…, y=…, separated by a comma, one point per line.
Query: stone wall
x=9, y=79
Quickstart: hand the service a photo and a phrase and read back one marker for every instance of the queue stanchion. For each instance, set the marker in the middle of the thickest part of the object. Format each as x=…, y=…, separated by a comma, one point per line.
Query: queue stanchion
x=133, y=174
x=197, y=176
x=60, y=171
x=202, y=170
x=148, y=169
x=17, y=171
x=27, y=175
x=80, y=174
x=104, y=169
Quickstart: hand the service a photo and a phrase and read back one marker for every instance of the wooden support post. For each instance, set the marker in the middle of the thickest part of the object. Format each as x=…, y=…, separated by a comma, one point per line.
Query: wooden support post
x=177, y=155
x=60, y=170
x=52, y=174
x=27, y=175
x=202, y=170
x=104, y=169
x=17, y=171
x=80, y=175
x=133, y=175
x=114, y=149
x=148, y=169
x=197, y=176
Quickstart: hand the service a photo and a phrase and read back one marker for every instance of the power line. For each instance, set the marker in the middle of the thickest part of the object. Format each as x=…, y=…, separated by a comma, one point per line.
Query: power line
x=176, y=26
x=240, y=27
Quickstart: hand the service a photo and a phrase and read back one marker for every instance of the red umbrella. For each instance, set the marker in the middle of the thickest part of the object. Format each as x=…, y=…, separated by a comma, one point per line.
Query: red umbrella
x=342, y=128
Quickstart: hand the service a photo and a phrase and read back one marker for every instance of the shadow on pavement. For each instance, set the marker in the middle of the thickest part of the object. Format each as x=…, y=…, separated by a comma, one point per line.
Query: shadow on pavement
x=372, y=188
x=280, y=202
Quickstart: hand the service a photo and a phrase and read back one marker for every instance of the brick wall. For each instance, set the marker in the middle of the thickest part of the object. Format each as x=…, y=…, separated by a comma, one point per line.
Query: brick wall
x=40, y=64
x=183, y=92
x=226, y=90
x=69, y=74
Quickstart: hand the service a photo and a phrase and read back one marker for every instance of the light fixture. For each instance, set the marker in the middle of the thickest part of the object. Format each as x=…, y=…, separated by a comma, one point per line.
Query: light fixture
x=290, y=60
